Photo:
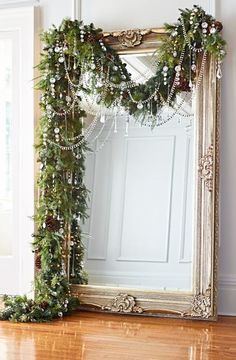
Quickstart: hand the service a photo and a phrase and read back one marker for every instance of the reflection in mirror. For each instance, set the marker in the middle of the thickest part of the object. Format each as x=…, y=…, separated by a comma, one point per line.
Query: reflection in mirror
x=6, y=148
x=139, y=233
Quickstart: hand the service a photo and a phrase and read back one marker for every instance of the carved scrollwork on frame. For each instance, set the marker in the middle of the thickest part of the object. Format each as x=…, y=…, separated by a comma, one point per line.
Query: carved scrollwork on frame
x=206, y=168
x=201, y=306
x=130, y=38
x=123, y=303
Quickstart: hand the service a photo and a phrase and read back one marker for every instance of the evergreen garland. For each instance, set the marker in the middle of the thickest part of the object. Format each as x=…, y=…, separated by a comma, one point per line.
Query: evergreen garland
x=69, y=50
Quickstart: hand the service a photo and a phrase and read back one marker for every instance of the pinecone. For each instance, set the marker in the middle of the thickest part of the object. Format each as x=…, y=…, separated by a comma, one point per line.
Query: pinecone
x=109, y=56
x=125, y=95
x=37, y=261
x=52, y=224
x=44, y=305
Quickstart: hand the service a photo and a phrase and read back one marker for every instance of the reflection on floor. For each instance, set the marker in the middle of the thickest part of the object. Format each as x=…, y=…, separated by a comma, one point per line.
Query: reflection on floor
x=91, y=336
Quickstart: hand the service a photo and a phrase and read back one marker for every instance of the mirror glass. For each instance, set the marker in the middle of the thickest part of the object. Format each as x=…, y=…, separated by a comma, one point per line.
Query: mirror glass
x=139, y=233
x=7, y=148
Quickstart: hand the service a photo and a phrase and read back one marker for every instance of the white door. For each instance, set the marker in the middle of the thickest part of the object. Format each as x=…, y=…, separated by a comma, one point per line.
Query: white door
x=141, y=217
x=16, y=149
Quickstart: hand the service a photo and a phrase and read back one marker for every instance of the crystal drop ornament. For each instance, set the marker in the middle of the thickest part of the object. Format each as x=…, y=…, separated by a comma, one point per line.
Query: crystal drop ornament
x=219, y=72
x=102, y=119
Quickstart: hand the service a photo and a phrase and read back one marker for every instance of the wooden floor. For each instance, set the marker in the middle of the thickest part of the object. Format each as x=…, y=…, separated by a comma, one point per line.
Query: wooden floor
x=90, y=336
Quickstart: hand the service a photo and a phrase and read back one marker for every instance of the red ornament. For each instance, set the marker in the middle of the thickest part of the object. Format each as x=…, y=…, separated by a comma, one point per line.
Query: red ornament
x=44, y=305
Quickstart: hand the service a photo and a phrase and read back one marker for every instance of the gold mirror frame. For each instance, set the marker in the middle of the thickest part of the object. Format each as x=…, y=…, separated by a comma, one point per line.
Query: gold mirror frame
x=202, y=302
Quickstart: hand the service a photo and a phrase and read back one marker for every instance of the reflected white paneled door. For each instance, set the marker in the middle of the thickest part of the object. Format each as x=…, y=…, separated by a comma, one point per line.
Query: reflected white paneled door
x=16, y=149
x=141, y=210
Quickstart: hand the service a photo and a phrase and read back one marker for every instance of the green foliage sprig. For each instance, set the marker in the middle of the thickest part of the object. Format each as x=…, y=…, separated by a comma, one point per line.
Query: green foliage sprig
x=68, y=51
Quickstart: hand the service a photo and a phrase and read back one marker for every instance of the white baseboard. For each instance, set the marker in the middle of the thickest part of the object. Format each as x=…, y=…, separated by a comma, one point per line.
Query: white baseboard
x=227, y=295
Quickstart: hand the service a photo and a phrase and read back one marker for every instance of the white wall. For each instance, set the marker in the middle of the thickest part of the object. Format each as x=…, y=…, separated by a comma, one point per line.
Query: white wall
x=118, y=14
x=123, y=14
x=226, y=12
x=53, y=11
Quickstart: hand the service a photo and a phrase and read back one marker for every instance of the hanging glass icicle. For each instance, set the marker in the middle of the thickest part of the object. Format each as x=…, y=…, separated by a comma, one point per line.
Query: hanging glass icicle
x=190, y=70
x=193, y=66
x=73, y=262
x=102, y=118
x=218, y=70
x=127, y=126
x=75, y=53
x=74, y=65
x=115, y=123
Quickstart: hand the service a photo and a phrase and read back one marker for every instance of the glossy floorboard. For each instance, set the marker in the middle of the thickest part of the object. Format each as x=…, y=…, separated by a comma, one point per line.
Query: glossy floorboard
x=90, y=336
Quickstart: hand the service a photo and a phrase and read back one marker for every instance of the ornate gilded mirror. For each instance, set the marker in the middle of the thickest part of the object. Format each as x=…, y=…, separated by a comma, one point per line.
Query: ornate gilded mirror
x=128, y=145
x=152, y=233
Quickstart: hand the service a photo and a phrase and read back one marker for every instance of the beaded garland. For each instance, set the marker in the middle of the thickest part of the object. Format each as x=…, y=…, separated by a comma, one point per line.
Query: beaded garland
x=76, y=64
